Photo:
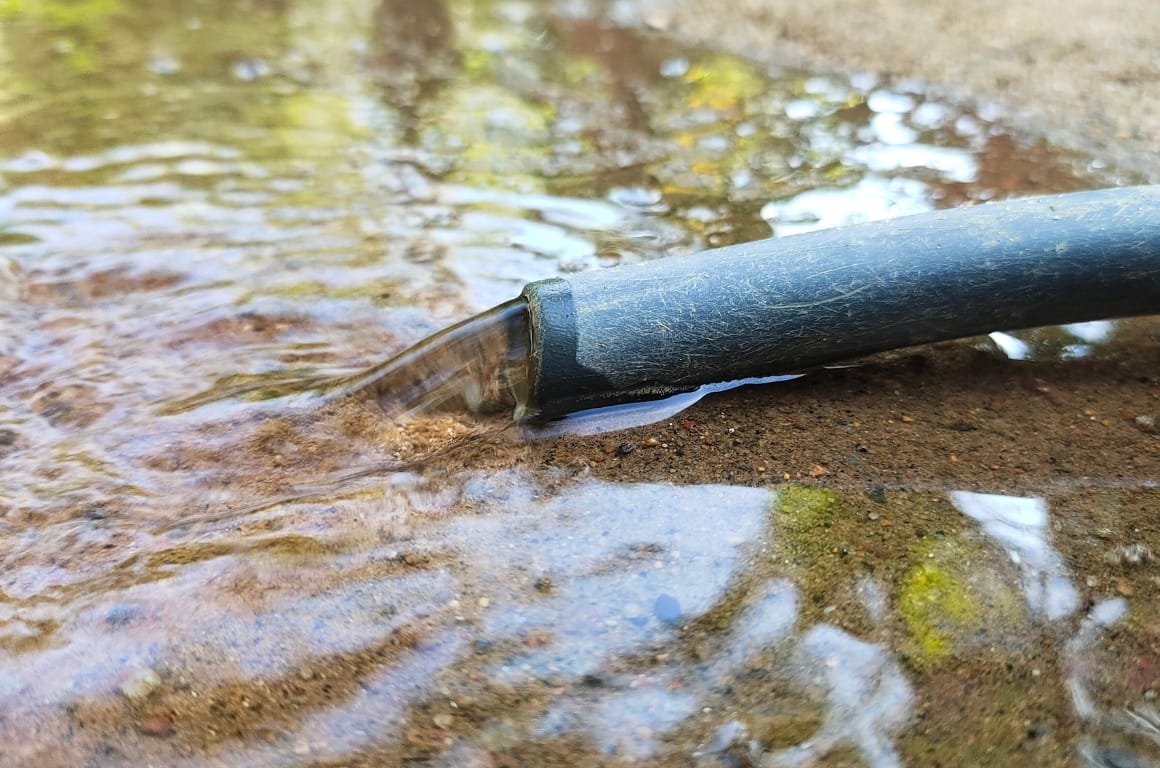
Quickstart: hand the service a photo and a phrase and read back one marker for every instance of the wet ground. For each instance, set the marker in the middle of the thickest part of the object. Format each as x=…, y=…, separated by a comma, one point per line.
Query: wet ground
x=215, y=213
x=1081, y=72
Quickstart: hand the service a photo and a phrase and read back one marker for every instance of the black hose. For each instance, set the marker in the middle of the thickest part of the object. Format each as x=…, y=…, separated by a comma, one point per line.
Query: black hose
x=777, y=306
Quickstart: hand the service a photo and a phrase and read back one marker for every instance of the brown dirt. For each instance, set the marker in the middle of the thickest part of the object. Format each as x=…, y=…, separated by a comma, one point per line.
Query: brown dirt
x=934, y=417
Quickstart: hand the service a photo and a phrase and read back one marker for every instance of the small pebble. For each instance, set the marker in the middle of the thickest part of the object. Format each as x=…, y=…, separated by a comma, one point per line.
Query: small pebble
x=157, y=725
x=142, y=683
x=658, y=19
x=444, y=720
x=1132, y=554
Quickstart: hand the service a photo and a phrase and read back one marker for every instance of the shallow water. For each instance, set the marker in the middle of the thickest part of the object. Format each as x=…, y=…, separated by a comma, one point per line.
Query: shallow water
x=213, y=214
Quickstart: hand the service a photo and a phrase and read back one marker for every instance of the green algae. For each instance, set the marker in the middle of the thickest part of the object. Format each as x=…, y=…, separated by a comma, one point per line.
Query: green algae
x=803, y=506
x=936, y=605
x=958, y=595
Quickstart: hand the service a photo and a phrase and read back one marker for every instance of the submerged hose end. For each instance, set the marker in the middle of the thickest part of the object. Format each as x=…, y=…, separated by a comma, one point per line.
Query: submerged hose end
x=559, y=381
x=551, y=341
x=647, y=331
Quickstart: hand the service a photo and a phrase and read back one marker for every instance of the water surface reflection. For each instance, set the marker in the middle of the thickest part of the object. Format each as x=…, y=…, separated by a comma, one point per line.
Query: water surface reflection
x=526, y=614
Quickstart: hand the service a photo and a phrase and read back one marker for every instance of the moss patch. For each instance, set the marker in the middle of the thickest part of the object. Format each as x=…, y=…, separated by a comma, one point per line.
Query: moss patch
x=935, y=605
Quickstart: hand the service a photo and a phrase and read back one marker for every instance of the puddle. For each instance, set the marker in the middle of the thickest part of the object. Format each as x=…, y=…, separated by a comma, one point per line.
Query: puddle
x=214, y=214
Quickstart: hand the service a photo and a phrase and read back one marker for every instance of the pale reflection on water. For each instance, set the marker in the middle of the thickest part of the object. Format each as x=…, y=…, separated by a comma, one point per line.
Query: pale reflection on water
x=619, y=569
x=1019, y=525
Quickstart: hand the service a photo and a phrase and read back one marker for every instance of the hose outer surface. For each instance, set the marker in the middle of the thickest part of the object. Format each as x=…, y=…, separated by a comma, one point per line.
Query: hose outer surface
x=775, y=306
